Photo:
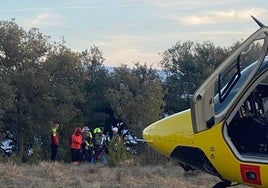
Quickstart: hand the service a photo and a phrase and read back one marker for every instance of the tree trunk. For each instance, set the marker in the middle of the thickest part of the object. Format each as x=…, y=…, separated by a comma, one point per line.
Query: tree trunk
x=20, y=141
x=19, y=132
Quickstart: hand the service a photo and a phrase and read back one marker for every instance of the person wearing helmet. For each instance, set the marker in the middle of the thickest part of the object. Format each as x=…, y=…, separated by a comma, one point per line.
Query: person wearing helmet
x=115, y=134
x=85, y=128
x=76, y=142
x=87, y=144
x=99, y=150
x=97, y=130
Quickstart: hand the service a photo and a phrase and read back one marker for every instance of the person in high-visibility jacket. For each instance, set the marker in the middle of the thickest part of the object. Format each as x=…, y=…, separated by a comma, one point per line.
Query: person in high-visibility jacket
x=54, y=138
x=76, y=142
x=87, y=144
x=99, y=146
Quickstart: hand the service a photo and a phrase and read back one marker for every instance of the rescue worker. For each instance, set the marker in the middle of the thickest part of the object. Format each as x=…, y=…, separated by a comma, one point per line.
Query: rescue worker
x=115, y=134
x=115, y=140
x=87, y=144
x=116, y=145
x=54, y=137
x=99, y=148
x=76, y=142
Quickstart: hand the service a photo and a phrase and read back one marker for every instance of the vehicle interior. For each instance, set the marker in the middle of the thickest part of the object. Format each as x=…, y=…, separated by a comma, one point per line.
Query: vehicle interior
x=248, y=130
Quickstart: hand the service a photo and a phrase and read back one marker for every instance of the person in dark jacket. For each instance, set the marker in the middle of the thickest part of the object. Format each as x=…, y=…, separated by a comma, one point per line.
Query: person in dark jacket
x=87, y=145
x=99, y=149
x=54, y=137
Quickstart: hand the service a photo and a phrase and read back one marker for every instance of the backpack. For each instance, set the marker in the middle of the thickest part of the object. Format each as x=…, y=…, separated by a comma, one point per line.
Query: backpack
x=98, y=140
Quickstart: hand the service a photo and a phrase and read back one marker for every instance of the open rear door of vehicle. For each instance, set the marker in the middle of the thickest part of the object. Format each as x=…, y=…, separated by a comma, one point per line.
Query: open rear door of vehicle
x=218, y=93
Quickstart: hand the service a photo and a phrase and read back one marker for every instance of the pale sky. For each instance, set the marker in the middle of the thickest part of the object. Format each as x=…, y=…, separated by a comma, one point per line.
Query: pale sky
x=127, y=31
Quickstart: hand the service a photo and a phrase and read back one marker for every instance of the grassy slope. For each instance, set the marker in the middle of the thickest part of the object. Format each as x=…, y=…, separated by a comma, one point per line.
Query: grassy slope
x=47, y=174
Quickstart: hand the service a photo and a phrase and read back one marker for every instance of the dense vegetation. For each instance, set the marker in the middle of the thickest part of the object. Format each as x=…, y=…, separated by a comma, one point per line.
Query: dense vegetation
x=43, y=81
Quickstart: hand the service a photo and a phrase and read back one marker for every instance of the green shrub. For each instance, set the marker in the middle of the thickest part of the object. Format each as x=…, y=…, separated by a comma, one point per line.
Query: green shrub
x=117, y=152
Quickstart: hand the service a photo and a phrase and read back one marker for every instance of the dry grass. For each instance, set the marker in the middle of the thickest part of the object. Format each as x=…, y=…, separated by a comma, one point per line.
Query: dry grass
x=47, y=174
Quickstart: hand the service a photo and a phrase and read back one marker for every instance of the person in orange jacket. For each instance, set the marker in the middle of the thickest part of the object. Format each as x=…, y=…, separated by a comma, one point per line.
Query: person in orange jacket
x=76, y=142
x=54, y=138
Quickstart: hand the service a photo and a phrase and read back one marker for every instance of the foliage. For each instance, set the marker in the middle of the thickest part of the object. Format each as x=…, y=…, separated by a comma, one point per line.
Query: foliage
x=43, y=85
x=117, y=151
x=43, y=82
x=95, y=109
x=136, y=96
x=20, y=54
x=187, y=65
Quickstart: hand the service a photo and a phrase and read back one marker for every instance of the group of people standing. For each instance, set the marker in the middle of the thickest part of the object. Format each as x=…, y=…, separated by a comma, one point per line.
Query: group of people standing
x=86, y=145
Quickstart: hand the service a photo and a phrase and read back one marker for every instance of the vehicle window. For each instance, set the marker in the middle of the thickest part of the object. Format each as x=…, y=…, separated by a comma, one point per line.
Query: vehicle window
x=231, y=79
x=220, y=105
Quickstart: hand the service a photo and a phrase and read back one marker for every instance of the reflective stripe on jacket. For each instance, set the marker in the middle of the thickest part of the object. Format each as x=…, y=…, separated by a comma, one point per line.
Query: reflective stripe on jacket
x=54, y=136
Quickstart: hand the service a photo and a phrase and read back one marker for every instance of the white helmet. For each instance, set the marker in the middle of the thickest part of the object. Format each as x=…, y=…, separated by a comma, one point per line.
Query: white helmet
x=85, y=129
x=115, y=129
